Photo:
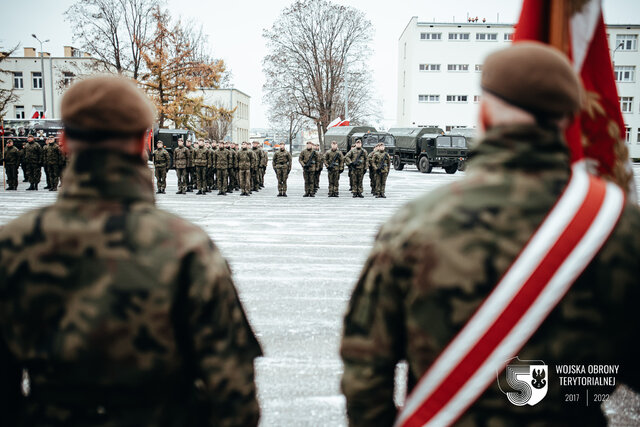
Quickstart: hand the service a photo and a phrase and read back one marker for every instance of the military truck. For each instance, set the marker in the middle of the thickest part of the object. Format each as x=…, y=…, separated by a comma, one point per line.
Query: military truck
x=169, y=138
x=470, y=135
x=346, y=137
x=427, y=147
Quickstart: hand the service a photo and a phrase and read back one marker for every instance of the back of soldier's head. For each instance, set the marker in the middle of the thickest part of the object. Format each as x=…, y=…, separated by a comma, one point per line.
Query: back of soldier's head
x=106, y=112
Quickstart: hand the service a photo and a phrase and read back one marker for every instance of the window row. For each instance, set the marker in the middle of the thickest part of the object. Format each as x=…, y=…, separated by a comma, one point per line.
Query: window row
x=450, y=67
x=36, y=79
x=626, y=41
x=466, y=36
x=625, y=73
x=450, y=98
x=627, y=135
x=19, y=112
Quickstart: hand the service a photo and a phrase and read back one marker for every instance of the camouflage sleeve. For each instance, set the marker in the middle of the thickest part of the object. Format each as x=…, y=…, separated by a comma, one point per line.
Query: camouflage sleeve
x=372, y=344
x=221, y=346
x=9, y=386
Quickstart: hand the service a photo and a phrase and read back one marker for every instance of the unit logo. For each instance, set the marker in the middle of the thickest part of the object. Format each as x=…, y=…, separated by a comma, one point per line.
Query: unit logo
x=524, y=382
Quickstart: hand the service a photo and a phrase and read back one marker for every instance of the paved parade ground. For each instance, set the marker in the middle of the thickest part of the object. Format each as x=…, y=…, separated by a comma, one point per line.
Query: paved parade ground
x=295, y=261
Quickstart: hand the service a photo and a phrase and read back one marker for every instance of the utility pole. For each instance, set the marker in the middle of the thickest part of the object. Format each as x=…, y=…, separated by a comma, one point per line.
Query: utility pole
x=44, y=96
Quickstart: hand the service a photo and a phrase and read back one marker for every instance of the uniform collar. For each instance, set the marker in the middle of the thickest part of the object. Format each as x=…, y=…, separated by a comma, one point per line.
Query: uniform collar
x=106, y=174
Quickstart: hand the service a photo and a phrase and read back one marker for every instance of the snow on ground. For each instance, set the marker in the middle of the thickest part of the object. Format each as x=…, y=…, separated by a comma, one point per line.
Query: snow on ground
x=295, y=261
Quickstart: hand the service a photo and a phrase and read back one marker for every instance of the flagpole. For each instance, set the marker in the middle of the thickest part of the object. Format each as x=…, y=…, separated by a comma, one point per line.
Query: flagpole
x=4, y=169
x=558, y=25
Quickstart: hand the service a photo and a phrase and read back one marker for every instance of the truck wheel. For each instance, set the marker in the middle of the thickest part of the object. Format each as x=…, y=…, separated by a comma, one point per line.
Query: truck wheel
x=424, y=165
x=451, y=169
x=397, y=164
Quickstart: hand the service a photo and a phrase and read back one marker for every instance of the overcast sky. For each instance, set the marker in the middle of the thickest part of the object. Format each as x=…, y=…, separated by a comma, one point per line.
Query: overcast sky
x=235, y=32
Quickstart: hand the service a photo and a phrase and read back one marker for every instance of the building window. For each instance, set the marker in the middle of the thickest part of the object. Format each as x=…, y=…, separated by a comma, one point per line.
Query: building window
x=18, y=82
x=428, y=98
x=458, y=67
x=627, y=134
x=430, y=36
x=638, y=137
x=449, y=128
x=508, y=37
x=625, y=73
x=628, y=41
x=476, y=98
x=429, y=67
x=459, y=36
x=486, y=36
x=39, y=109
x=36, y=80
x=19, y=111
x=456, y=98
x=478, y=67
x=626, y=104
x=68, y=79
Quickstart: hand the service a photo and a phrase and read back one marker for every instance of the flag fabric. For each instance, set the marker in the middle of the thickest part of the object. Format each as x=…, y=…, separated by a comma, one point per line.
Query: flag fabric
x=335, y=122
x=578, y=30
x=343, y=123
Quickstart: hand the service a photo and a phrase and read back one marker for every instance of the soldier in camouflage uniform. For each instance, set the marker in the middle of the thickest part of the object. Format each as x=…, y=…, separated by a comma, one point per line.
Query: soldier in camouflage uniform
x=33, y=162
x=372, y=180
x=308, y=159
x=200, y=159
x=381, y=165
x=318, y=169
x=255, y=172
x=222, y=166
x=245, y=160
x=45, y=160
x=282, y=166
x=181, y=160
x=236, y=168
x=264, y=161
x=161, y=162
x=334, y=161
x=191, y=170
x=438, y=258
x=112, y=311
x=11, y=162
x=233, y=158
x=356, y=161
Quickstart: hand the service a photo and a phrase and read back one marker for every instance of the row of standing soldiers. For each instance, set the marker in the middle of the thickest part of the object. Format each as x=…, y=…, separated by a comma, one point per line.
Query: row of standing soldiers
x=378, y=163
x=32, y=157
x=212, y=166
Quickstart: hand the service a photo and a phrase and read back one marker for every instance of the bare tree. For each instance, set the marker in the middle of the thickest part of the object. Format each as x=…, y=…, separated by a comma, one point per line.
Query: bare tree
x=7, y=96
x=113, y=31
x=310, y=44
x=286, y=121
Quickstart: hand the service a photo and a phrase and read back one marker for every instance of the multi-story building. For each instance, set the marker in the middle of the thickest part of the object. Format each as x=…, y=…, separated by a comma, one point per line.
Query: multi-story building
x=229, y=99
x=40, y=82
x=440, y=64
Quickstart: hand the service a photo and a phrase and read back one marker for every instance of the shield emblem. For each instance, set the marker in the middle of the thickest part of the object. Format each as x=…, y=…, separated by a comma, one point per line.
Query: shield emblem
x=526, y=383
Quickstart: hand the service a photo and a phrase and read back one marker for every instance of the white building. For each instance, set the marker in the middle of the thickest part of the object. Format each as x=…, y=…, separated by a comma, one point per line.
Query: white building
x=25, y=75
x=439, y=68
x=229, y=99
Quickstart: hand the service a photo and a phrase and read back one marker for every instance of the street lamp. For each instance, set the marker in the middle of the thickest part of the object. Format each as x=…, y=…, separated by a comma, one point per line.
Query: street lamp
x=44, y=98
x=613, y=55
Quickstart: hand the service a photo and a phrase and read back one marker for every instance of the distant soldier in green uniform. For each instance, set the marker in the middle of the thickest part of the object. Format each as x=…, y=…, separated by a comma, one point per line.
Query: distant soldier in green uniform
x=191, y=170
x=372, y=180
x=33, y=162
x=334, y=161
x=437, y=259
x=161, y=162
x=114, y=312
x=54, y=161
x=233, y=162
x=236, y=167
x=200, y=159
x=245, y=159
x=381, y=166
x=264, y=161
x=356, y=161
x=180, y=161
x=11, y=162
x=282, y=166
x=222, y=167
x=23, y=164
x=214, y=174
x=318, y=171
x=255, y=172
x=308, y=159
x=46, y=158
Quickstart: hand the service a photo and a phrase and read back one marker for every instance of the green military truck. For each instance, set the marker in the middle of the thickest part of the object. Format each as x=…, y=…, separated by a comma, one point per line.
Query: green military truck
x=346, y=137
x=427, y=147
x=169, y=138
x=470, y=135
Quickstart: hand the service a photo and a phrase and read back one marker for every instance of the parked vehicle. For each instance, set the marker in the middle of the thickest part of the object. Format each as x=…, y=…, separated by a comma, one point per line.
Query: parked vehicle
x=428, y=147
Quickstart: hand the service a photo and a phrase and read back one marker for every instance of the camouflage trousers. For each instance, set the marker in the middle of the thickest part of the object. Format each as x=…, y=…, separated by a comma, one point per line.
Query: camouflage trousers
x=282, y=174
x=211, y=177
x=245, y=180
x=201, y=178
x=372, y=180
x=357, y=175
x=233, y=179
x=255, y=179
x=192, y=178
x=33, y=173
x=222, y=180
x=161, y=177
x=316, y=180
x=309, y=181
x=52, y=173
x=263, y=170
x=181, y=173
x=380, y=182
x=12, y=175
x=334, y=181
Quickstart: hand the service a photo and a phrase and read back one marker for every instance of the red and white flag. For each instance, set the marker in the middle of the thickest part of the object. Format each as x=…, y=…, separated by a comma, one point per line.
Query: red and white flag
x=578, y=30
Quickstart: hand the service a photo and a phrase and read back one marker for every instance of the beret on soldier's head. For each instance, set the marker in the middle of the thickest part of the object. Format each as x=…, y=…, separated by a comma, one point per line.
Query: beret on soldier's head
x=106, y=104
x=535, y=77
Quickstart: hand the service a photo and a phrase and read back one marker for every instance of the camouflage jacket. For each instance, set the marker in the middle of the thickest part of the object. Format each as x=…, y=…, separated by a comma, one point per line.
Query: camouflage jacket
x=222, y=158
x=357, y=153
x=438, y=258
x=245, y=159
x=334, y=160
x=380, y=162
x=281, y=160
x=161, y=158
x=370, y=159
x=33, y=153
x=200, y=156
x=233, y=158
x=264, y=158
x=190, y=156
x=308, y=159
x=11, y=156
x=319, y=163
x=121, y=313
x=181, y=157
